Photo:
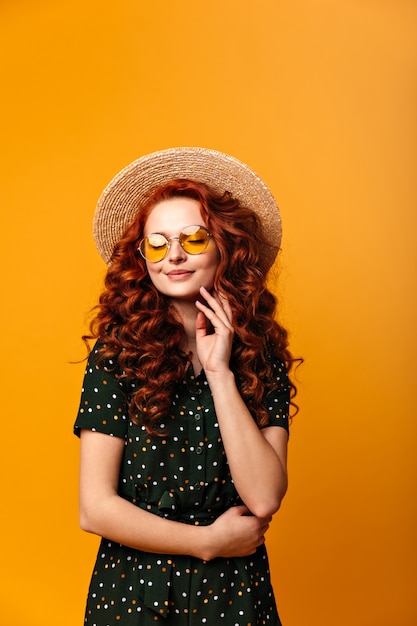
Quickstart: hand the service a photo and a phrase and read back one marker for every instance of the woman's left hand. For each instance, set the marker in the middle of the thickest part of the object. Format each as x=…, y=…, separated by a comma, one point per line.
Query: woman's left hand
x=214, y=349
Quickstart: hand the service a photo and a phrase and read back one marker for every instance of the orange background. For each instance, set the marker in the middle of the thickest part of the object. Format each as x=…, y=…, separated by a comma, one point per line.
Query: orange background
x=319, y=97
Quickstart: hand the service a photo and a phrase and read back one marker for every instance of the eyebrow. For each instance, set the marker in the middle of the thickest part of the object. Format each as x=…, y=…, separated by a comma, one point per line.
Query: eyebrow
x=161, y=232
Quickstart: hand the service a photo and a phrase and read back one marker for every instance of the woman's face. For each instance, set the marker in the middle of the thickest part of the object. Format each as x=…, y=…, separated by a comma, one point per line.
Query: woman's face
x=180, y=275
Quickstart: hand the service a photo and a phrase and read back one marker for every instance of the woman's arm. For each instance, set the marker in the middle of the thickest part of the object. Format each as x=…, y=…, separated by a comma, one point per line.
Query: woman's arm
x=257, y=458
x=105, y=513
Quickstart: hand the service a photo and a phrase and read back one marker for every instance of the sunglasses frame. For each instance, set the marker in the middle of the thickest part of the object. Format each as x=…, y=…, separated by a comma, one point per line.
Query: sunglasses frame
x=176, y=238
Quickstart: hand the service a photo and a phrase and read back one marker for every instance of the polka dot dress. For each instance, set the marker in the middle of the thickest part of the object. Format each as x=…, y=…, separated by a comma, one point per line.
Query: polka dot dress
x=183, y=476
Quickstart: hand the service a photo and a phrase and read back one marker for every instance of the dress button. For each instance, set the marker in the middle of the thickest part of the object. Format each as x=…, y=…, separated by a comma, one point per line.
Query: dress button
x=197, y=417
x=199, y=449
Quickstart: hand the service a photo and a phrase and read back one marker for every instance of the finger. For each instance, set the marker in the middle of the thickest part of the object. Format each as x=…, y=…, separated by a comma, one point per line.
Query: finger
x=201, y=324
x=224, y=301
x=219, y=304
x=219, y=322
x=242, y=509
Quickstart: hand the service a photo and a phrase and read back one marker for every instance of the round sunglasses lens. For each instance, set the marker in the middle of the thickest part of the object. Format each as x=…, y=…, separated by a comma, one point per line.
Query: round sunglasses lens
x=154, y=248
x=194, y=239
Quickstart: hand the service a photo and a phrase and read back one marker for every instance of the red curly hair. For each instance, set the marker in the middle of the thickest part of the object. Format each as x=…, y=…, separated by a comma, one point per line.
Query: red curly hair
x=142, y=332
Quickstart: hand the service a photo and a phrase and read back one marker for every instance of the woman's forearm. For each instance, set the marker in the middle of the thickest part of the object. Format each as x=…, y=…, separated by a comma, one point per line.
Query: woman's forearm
x=119, y=520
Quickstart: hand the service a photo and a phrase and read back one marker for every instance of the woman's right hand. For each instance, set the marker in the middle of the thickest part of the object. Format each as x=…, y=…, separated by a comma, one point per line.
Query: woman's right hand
x=236, y=533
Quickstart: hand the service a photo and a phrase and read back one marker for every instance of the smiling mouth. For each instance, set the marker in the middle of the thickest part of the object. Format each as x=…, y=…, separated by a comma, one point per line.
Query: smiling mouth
x=178, y=274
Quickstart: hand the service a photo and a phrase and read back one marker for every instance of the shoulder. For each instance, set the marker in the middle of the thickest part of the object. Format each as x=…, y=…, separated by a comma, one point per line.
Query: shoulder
x=103, y=403
x=279, y=370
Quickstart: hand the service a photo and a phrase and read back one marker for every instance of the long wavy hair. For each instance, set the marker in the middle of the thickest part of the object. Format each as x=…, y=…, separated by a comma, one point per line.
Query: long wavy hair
x=142, y=332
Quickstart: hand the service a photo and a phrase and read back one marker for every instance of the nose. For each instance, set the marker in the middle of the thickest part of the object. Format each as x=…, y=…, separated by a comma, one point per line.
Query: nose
x=176, y=254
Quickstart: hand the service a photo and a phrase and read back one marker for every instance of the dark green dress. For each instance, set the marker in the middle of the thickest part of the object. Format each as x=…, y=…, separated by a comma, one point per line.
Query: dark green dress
x=183, y=476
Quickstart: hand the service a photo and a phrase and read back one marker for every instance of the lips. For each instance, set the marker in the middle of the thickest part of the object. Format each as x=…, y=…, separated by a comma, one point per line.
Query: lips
x=179, y=274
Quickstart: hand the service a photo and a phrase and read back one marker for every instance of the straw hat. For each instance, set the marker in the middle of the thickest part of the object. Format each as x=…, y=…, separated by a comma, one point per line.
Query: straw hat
x=127, y=192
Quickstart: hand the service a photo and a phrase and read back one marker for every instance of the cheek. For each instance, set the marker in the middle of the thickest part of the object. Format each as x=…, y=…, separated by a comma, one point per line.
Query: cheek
x=212, y=263
x=215, y=258
x=152, y=271
x=153, y=268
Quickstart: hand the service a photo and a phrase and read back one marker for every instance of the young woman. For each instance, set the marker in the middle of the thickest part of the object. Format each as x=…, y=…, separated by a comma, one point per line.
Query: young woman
x=184, y=411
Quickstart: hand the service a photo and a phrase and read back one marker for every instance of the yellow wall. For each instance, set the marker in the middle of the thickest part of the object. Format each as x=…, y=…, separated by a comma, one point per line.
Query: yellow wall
x=319, y=96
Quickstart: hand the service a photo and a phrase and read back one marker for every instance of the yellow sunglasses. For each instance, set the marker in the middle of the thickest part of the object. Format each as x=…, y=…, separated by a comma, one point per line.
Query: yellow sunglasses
x=193, y=240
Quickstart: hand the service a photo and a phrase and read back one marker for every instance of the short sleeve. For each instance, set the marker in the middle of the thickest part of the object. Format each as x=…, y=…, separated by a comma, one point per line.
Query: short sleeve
x=103, y=404
x=277, y=402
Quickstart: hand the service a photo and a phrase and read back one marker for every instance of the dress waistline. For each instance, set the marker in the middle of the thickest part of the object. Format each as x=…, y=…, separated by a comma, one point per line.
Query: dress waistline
x=156, y=570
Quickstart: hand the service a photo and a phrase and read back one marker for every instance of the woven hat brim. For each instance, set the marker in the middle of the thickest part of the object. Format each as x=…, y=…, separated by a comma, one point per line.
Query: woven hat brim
x=126, y=194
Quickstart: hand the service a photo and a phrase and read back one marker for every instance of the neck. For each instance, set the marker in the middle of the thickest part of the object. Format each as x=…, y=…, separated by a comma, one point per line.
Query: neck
x=188, y=314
